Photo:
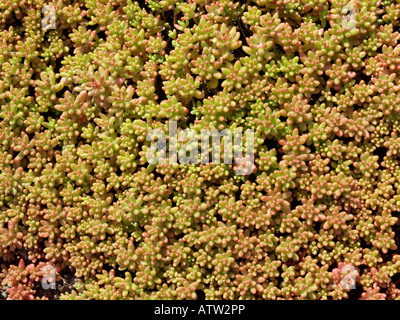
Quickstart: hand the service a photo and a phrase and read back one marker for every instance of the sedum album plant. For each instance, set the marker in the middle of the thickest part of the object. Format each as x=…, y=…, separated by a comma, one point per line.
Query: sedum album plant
x=315, y=216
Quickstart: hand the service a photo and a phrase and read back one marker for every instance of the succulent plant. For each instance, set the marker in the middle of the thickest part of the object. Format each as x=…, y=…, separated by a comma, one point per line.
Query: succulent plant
x=84, y=82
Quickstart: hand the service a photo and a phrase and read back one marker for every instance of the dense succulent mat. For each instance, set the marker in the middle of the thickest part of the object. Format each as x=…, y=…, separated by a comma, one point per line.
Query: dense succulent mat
x=316, y=80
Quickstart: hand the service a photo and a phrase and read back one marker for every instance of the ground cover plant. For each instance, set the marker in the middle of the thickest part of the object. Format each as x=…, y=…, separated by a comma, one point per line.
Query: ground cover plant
x=84, y=215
